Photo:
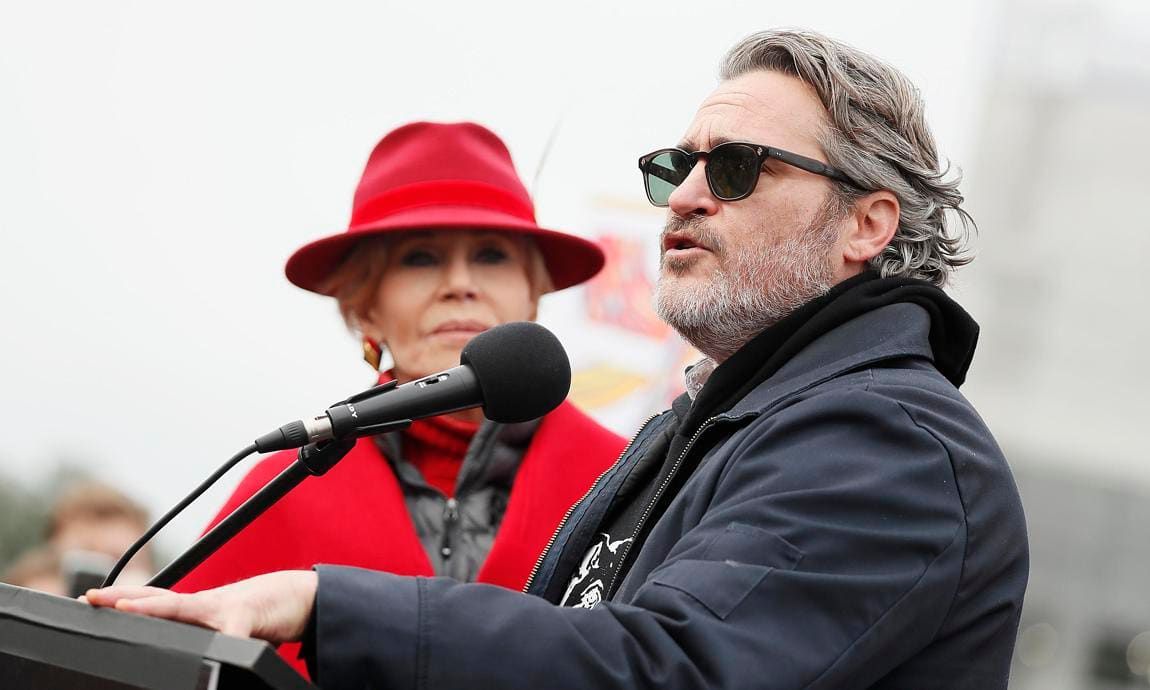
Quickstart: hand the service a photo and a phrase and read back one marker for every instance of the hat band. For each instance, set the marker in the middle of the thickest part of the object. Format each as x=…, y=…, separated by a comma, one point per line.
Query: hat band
x=441, y=193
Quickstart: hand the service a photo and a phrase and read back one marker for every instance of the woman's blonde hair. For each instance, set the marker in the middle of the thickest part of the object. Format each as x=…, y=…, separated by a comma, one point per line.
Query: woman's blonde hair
x=355, y=282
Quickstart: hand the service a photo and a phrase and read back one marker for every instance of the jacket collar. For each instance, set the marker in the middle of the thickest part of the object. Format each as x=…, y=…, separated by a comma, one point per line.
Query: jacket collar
x=895, y=331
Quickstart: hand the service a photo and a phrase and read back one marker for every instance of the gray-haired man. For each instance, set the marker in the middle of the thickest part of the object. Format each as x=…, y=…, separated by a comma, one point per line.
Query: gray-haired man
x=823, y=509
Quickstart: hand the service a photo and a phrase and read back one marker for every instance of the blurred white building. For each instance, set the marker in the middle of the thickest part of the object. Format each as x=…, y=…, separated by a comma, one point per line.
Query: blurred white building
x=1059, y=188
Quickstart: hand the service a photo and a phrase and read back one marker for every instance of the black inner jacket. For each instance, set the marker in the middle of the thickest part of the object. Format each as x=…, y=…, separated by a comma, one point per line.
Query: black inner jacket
x=953, y=336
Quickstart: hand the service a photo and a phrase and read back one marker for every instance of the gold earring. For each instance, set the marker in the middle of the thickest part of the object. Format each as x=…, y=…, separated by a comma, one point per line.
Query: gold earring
x=372, y=354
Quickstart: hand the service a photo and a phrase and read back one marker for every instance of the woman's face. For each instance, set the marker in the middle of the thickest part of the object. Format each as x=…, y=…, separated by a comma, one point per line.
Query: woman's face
x=440, y=289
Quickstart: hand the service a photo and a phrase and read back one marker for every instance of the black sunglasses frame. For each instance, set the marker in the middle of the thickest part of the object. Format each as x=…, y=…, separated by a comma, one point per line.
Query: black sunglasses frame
x=764, y=153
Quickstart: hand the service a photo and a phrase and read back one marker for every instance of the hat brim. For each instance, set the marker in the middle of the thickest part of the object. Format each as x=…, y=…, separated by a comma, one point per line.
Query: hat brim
x=570, y=260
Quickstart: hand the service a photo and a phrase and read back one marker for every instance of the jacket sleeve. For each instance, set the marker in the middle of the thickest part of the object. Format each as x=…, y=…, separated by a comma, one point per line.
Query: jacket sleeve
x=828, y=550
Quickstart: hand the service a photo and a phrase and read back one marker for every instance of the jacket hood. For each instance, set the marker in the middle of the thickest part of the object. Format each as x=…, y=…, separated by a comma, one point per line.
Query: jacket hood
x=953, y=332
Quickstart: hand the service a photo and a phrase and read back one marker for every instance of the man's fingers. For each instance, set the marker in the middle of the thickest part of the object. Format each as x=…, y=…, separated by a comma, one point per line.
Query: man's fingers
x=198, y=609
x=180, y=607
x=108, y=596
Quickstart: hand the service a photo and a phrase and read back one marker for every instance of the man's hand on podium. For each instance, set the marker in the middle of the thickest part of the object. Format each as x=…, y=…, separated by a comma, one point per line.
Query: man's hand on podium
x=273, y=607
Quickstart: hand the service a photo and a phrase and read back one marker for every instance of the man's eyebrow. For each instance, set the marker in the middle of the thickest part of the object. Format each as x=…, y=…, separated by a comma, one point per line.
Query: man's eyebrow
x=689, y=146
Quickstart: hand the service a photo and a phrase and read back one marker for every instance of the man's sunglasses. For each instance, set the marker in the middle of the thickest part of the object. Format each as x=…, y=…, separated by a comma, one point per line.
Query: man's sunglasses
x=733, y=169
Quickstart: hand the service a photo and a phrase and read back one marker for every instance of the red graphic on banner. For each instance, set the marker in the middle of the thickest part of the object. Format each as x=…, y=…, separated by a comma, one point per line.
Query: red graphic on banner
x=621, y=294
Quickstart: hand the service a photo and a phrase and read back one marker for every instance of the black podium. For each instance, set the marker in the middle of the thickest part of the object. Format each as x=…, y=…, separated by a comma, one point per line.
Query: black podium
x=50, y=643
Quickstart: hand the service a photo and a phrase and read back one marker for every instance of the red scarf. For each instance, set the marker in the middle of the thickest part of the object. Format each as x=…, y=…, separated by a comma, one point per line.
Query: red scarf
x=436, y=447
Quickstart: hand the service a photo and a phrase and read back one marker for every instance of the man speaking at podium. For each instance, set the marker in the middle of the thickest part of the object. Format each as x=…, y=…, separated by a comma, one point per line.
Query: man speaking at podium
x=821, y=509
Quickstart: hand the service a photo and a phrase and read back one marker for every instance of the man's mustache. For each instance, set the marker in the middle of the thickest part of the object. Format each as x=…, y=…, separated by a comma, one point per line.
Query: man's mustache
x=696, y=229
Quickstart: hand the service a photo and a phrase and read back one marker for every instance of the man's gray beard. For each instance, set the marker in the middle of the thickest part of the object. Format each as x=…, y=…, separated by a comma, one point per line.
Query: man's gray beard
x=754, y=286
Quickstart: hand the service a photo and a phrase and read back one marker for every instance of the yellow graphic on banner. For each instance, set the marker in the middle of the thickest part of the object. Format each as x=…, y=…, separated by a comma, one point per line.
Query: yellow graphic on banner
x=604, y=385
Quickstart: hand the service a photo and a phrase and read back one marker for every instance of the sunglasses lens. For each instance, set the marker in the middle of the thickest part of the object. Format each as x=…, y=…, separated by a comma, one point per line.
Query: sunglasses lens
x=733, y=170
x=663, y=172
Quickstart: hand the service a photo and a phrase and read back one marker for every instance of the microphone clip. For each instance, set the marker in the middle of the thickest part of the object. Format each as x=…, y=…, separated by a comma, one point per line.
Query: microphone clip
x=318, y=458
x=369, y=393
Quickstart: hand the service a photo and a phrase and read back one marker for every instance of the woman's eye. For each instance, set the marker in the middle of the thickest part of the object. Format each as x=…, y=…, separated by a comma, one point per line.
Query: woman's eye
x=491, y=255
x=418, y=257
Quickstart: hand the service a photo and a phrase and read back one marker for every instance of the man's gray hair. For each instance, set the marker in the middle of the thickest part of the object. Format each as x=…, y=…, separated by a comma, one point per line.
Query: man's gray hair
x=877, y=135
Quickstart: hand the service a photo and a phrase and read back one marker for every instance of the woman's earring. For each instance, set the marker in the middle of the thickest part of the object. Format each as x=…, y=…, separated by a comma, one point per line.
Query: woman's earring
x=372, y=354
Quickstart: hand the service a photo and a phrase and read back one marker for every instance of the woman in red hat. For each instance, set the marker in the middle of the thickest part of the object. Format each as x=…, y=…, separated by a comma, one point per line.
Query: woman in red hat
x=442, y=245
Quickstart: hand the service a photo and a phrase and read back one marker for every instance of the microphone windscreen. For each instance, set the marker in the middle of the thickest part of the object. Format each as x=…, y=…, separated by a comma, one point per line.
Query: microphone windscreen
x=522, y=370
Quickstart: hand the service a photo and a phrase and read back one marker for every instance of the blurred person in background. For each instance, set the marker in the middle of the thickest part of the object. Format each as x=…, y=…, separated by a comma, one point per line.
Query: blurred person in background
x=441, y=246
x=89, y=526
x=94, y=517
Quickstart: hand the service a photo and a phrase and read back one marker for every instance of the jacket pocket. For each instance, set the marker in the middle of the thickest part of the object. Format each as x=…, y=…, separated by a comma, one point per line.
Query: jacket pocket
x=736, y=561
x=744, y=543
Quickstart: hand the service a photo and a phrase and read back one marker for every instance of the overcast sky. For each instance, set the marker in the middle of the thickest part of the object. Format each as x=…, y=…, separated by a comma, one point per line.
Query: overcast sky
x=159, y=161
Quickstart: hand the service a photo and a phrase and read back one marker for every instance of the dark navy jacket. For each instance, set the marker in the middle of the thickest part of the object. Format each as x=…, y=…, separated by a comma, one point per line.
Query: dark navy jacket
x=850, y=523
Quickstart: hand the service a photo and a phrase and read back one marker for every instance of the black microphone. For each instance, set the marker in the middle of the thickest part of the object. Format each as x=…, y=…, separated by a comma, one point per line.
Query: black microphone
x=517, y=372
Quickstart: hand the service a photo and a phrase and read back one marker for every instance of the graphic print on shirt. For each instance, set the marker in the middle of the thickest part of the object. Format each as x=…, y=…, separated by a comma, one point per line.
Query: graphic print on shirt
x=594, y=572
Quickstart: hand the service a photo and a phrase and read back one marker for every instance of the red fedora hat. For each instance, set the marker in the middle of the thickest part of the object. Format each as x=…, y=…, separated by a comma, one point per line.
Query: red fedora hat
x=459, y=176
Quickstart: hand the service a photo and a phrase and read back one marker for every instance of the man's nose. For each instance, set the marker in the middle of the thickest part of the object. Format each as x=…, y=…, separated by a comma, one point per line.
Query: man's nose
x=694, y=197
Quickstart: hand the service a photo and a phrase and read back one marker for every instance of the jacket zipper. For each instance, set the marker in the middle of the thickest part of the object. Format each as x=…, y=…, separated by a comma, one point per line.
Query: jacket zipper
x=555, y=534
x=651, y=504
x=450, y=517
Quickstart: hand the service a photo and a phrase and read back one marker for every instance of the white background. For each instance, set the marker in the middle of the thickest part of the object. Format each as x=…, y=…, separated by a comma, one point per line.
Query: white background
x=159, y=161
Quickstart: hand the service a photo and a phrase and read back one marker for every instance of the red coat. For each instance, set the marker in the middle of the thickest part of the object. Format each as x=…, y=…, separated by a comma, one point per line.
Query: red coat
x=355, y=514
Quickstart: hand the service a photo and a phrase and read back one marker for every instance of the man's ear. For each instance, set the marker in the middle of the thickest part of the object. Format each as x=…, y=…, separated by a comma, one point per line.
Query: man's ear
x=875, y=220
